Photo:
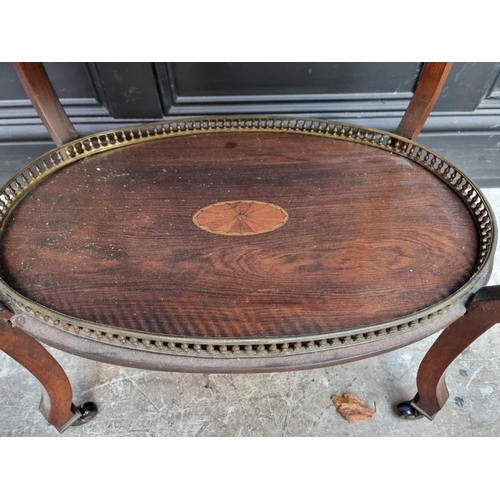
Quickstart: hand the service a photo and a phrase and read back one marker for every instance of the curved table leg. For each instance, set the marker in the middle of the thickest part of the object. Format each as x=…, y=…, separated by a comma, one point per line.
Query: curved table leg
x=482, y=313
x=56, y=403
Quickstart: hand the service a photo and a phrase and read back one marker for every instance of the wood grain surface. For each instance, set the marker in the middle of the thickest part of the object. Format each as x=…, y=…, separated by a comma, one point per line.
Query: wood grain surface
x=370, y=237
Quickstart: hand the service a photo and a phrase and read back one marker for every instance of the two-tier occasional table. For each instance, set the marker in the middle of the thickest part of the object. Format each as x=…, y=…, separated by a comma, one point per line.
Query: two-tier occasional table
x=242, y=244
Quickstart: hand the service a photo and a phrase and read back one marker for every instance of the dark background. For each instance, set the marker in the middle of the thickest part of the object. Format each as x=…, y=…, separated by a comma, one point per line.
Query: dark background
x=464, y=127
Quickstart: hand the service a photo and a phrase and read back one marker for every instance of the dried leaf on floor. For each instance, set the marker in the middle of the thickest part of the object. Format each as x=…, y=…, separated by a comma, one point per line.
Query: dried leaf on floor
x=352, y=408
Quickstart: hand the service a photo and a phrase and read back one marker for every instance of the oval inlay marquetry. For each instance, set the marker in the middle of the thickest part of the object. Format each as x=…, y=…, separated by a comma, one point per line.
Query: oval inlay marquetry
x=240, y=218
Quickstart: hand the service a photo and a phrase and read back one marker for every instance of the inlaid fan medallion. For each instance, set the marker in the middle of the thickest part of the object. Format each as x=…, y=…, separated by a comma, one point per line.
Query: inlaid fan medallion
x=240, y=218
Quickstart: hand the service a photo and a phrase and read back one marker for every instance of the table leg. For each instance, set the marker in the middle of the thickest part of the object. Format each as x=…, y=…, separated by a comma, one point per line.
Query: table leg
x=56, y=403
x=482, y=313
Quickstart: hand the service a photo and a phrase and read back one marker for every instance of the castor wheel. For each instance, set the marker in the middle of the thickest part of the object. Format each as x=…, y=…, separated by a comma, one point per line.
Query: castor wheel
x=407, y=412
x=88, y=412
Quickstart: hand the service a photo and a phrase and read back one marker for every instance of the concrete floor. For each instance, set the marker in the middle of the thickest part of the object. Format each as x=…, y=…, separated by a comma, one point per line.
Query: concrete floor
x=139, y=403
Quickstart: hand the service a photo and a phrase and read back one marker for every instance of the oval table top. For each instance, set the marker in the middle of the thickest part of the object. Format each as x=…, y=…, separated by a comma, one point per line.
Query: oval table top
x=240, y=236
